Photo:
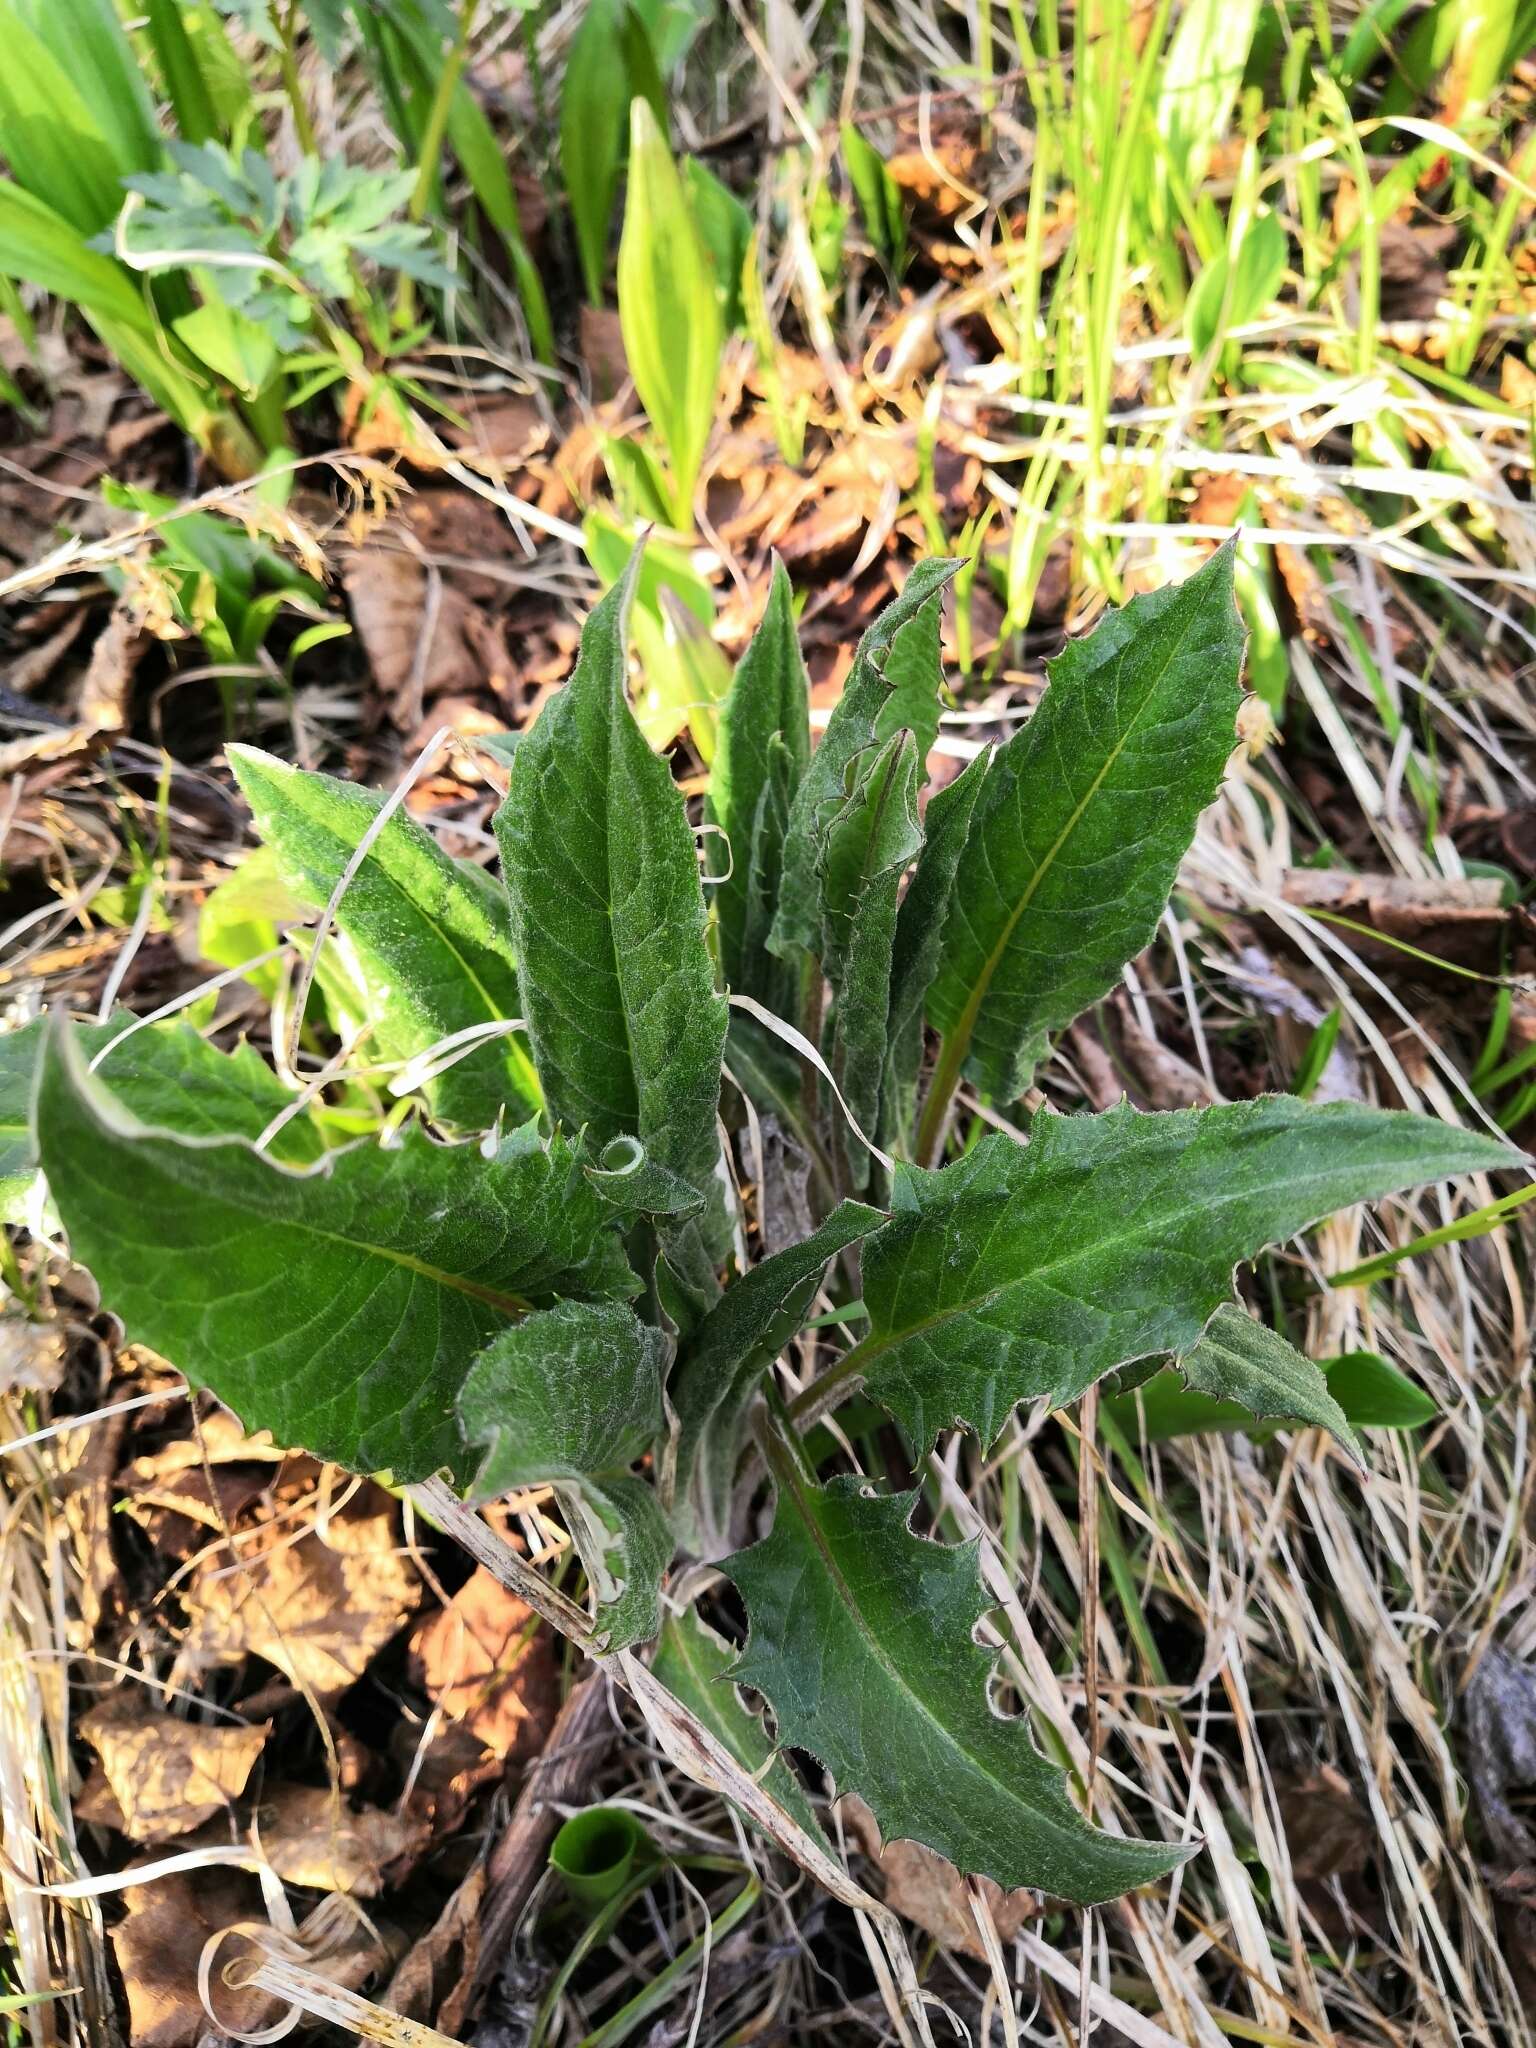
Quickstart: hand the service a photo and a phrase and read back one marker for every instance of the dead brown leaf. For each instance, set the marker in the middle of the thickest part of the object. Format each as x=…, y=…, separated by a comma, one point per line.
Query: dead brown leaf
x=169, y=1775
x=315, y=1838
x=423, y=634
x=1498, y=1749
x=487, y=1662
x=926, y=1888
x=318, y=1608
x=1459, y=918
x=160, y=1944
x=1327, y=1830
x=432, y=1982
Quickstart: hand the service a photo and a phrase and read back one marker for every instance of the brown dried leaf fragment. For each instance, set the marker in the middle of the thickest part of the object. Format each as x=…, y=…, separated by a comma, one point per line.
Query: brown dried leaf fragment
x=158, y=1949
x=168, y=1775
x=318, y=1608
x=315, y=1838
x=486, y=1661
x=926, y=1888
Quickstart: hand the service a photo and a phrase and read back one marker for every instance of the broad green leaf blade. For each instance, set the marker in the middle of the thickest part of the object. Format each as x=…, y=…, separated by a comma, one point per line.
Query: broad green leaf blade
x=1030, y=1271
x=920, y=926
x=880, y=200
x=722, y=1363
x=162, y=1074
x=669, y=309
x=1245, y=1361
x=429, y=934
x=862, y=1640
x=1375, y=1395
x=339, y=1306
x=1086, y=815
x=608, y=919
x=769, y=700
x=869, y=845
x=694, y=1664
x=569, y=1392
x=570, y=1398
x=881, y=695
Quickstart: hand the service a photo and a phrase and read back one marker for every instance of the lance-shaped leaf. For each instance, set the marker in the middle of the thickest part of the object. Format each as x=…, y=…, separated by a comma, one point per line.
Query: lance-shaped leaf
x=608, y=919
x=669, y=308
x=429, y=934
x=767, y=707
x=570, y=1398
x=773, y=982
x=884, y=692
x=694, y=1664
x=920, y=926
x=1087, y=812
x=1245, y=1361
x=1029, y=1271
x=722, y=1363
x=337, y=1306
x=862, y=1640
x=869, y=845
x=163, y=1074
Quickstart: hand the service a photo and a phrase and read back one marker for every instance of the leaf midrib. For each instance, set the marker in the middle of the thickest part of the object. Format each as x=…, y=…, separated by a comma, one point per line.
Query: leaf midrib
x=873, y=1345
x=513, y=1305
x=790, y=1479
x=966, y=1026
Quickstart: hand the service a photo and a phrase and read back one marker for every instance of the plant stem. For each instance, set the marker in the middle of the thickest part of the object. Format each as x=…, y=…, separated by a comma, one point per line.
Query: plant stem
x=818, y=1397
x=941, y=1088
x=431, y=146
x=430, y=149
x=288, y=58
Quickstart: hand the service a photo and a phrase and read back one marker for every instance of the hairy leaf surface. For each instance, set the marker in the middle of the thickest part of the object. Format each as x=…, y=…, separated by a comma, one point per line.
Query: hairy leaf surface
x=1027, y=1271
x=164, y=1073
x=430, y=934
x=881, y=695
x=1245, y=1361
x=1086, y=815
x=761, y=754
x=861, y=1638
x=722, y=1363
x=340, y=1306
x=570, y=1398
x=869, y=844
x=608, y=919
x=921, y=923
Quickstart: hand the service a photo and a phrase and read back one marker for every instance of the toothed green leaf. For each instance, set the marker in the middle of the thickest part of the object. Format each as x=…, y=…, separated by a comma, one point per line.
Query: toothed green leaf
x=337, y=1306
x=921, y=923
x=884, y=692
x=163, y=1073
x=1085, y=817
x=761, y=754
x=1030, y=1271
x=429, y=934
x=608, y=919
x=570, y=1398
x=1241, y=1360
x=869, y=845
x=862, y=1641
x=722, y=1363
x=694, y=1664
